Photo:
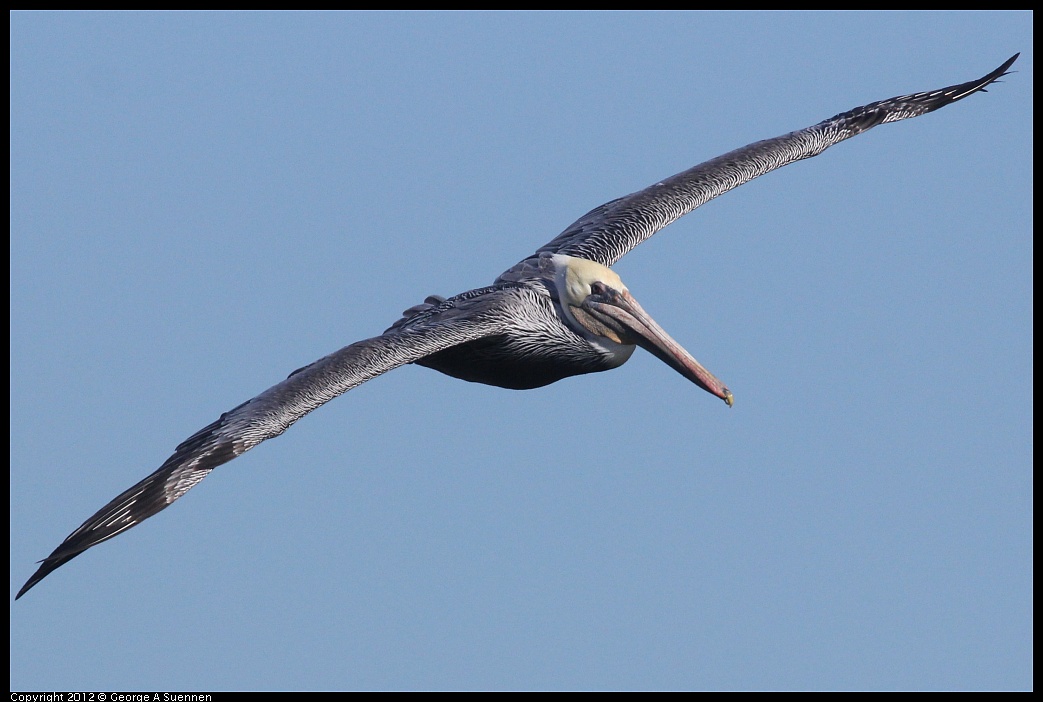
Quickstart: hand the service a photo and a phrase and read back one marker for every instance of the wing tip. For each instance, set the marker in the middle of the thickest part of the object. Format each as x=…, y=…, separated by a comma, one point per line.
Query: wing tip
x=994, y=76
x=47, y=566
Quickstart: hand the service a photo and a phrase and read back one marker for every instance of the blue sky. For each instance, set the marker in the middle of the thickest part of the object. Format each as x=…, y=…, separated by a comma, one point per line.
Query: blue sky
x=201, y=203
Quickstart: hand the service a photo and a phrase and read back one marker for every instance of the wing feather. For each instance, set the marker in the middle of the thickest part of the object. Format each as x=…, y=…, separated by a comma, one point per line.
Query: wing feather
x=608, y=232
x=269, y=414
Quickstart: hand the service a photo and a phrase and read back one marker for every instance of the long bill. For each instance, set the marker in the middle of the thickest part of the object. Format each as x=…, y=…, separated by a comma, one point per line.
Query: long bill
x=627, y=316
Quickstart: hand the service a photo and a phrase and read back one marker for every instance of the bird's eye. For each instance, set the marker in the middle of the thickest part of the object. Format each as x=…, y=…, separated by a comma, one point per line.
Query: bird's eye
x=597, y=288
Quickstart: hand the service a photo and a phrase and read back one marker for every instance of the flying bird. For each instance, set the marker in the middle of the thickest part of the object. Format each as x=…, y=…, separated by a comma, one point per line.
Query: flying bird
x=557, y=313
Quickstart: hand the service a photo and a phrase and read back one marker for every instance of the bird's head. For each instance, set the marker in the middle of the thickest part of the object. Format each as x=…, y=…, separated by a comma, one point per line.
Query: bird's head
x=598, y=305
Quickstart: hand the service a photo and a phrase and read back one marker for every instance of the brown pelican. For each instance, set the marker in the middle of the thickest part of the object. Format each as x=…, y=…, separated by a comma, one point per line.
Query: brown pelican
x=557, y=313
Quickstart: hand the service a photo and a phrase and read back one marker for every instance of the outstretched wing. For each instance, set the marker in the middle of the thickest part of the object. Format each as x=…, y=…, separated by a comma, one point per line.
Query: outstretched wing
x=274, y=410
x=608, y=232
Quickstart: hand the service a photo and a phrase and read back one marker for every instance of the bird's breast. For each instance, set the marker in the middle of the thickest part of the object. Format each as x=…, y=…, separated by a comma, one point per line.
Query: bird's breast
x=537, y=348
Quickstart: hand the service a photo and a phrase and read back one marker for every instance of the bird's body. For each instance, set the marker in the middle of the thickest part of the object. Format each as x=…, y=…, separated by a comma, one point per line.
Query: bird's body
x=558, y=313
x=521, y=358
x=537, y=346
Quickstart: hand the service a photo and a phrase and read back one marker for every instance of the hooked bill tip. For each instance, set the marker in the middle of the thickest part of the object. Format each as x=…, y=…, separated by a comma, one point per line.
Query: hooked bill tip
x=729, y=398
